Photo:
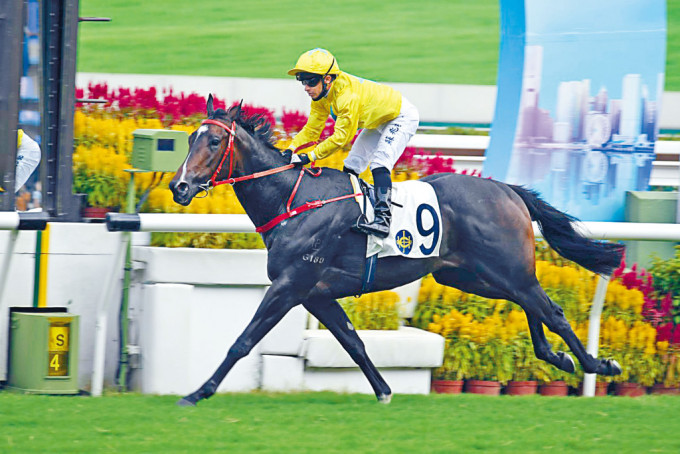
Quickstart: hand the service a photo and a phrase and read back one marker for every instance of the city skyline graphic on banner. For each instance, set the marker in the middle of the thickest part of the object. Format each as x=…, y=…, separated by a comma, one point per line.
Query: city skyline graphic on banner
x=583, y=142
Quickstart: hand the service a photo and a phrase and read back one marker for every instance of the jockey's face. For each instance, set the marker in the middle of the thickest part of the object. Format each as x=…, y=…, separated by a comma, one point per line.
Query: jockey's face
x=315, y=91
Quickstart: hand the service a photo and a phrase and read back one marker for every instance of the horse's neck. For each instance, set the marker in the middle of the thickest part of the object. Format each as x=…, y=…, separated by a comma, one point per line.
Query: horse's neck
x=262, y=198
x=265, y=198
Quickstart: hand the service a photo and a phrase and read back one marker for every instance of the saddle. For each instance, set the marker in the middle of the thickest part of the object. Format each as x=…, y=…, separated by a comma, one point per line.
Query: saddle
x=415, y=227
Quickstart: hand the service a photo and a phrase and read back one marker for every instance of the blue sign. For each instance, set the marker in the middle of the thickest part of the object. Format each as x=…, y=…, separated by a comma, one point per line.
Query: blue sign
x=579, y=92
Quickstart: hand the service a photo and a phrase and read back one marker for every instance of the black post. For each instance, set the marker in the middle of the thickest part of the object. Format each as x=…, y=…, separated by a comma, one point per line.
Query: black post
x=11, y=56
x=60, y=34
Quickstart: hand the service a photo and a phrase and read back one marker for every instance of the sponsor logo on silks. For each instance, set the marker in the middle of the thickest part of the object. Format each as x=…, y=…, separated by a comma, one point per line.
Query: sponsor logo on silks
x=404, y=241
x=333, y=116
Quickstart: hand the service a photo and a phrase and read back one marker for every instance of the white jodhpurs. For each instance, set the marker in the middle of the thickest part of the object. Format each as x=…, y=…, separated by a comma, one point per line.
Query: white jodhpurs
x=28, y=158
x=382, y=146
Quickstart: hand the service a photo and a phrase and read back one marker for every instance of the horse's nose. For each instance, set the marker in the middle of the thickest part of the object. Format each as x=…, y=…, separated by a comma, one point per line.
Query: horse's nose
x=181, y=188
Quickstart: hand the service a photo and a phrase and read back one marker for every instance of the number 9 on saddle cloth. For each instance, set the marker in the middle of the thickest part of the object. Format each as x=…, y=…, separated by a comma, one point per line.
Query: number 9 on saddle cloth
x=415, y=231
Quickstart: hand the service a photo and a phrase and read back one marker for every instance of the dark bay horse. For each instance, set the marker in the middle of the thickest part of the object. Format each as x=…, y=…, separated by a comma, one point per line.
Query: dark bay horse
x=487, y=244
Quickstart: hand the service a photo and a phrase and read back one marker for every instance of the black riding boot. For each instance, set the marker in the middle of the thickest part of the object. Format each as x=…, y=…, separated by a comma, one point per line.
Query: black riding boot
x=380, y=226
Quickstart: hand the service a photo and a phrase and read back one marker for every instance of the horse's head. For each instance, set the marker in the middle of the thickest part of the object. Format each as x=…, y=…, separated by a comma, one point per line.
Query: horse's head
x=211, y=154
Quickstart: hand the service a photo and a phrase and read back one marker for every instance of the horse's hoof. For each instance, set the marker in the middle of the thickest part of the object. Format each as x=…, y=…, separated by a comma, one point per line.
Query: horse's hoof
x=385, y=398
x=184, y=402
x=566, y=362
x=609, y=367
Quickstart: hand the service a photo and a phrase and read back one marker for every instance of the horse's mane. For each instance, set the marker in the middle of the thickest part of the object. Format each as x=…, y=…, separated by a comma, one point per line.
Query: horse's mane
x=256, y=125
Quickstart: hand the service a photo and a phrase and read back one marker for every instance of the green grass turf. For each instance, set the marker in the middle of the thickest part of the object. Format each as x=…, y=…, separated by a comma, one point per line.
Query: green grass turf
x=438, y=41
x=327, y=422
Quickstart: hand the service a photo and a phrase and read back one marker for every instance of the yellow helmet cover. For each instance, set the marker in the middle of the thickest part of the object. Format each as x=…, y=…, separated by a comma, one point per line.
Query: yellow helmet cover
x=316, y=61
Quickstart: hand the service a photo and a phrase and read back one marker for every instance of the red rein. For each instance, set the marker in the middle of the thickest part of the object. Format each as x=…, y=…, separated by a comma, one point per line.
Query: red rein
x=289, y=213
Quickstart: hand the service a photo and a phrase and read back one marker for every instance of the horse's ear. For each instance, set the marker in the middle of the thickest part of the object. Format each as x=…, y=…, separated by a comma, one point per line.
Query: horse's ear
x=238, y=109
x=211, y=110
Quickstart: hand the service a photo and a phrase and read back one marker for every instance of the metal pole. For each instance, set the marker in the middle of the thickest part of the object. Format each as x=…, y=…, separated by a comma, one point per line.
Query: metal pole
x=594, y=331
x=123, y=364
x=6, y=260
x=102, y=320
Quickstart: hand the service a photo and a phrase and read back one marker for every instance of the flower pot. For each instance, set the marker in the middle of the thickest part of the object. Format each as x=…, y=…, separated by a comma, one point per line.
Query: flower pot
x=630, y=389
x=486, y=387
x=95, y=212
x=660, y=388
x=555, y=388
x=601, y=389
x=447, y=386
x=521, y=388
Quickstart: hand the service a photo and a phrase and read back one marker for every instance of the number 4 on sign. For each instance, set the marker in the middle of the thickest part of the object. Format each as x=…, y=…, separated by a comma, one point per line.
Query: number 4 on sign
x=54, y=364
x=58, y=364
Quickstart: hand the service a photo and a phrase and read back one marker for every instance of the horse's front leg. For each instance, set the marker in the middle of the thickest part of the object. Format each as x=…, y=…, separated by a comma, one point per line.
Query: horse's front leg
x=329, y=312
x=276, y=303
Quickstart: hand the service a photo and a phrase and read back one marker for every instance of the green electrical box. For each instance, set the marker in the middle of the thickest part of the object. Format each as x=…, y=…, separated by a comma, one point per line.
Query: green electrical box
x=159, y=150
x=43, y=352
x=650, y=206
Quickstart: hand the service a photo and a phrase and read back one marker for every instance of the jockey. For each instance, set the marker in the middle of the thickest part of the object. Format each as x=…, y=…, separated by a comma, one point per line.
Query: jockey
x=28, y=158
x=387, y=119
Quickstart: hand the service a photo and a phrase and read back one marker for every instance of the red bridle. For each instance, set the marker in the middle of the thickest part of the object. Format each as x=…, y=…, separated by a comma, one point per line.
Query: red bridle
x=230, y=152
x=289, y=212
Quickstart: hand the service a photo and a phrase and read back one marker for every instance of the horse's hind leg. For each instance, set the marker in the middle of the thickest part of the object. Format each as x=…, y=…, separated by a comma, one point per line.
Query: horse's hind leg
x=542, y=348
x=552, y=315
x=329, y=312
x=469, y=282
x=539, y=309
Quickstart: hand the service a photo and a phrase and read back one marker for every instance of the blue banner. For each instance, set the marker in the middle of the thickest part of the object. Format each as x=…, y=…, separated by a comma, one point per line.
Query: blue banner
x=579, y=90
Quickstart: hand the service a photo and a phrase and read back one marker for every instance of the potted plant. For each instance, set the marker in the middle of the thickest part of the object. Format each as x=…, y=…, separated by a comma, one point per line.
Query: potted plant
x=446, y=380
x=638, y=373
x=668, y=381
x=523, y=381
x=553, y=381
x=457, y=366
x=97, y=172
x=492, y=366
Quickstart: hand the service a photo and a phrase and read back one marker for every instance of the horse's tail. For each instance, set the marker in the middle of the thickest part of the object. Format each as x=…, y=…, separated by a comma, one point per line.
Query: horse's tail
x=556, y=226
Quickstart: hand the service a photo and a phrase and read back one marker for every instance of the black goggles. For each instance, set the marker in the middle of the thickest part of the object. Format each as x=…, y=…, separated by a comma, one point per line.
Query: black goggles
x=310, y=81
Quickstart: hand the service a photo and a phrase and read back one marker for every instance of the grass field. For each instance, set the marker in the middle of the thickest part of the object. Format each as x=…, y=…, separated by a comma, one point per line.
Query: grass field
x=438, y=41
x=327, y=422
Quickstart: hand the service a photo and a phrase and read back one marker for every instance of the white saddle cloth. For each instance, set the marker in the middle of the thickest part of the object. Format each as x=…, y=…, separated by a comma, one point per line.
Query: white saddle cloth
x=415, y=231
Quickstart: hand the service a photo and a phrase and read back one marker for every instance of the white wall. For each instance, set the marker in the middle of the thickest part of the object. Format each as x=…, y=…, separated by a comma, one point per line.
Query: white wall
x=79, y=260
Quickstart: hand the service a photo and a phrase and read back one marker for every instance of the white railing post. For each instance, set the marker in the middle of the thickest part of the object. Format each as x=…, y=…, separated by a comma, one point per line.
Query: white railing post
x=594, y=331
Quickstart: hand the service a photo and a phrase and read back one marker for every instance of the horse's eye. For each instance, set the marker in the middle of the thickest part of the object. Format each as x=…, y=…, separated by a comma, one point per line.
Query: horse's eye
x=215, y=142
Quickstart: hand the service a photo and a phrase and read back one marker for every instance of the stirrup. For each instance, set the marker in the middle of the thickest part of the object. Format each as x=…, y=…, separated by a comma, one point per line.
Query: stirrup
x=370, y=229
x=356, y=227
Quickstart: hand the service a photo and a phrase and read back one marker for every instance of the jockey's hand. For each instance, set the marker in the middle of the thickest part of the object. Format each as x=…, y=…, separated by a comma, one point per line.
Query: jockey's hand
x=287, y=154
x=300, y=159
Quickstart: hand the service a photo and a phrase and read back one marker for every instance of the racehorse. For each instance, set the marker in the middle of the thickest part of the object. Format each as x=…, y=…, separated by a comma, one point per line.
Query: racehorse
x=314, y=258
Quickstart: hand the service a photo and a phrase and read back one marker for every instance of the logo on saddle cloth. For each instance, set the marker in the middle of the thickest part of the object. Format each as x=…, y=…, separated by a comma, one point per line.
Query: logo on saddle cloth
x=404, y=241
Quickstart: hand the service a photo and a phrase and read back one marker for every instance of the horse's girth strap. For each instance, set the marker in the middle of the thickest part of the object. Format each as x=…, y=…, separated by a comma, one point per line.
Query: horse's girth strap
x=301, y=209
